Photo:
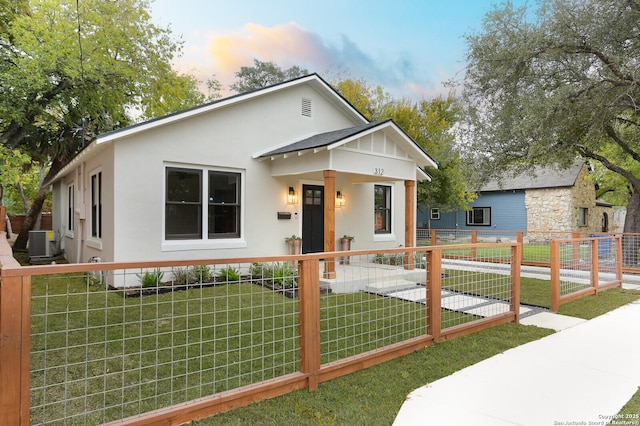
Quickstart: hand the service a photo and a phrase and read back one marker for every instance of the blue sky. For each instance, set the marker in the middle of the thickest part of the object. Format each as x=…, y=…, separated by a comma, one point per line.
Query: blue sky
x=409, y=47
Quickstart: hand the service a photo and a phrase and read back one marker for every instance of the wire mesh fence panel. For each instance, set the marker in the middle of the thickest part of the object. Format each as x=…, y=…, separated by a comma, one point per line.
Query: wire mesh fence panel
x=101, y=353
x=575, y=266
x=608, y=258
x=476, y=283
x=374, y=302
x=423, y=237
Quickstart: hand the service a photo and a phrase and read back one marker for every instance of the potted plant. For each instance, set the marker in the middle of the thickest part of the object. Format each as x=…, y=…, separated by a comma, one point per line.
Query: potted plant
x=345, y=245
x=295, y=244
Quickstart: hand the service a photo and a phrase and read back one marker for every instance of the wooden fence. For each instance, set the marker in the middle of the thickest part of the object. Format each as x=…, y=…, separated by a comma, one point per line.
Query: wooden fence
x=34, y=351
x=583, y=267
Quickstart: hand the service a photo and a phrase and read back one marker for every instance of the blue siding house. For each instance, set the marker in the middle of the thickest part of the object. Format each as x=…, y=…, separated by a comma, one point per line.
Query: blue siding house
x=546, y=199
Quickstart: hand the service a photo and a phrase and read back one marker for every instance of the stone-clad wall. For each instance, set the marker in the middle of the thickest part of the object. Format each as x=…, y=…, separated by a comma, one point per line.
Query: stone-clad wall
x=558, y=209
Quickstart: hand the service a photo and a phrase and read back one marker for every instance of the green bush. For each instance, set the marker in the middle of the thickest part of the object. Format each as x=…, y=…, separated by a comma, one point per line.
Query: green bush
x=151, y=279
x=229, y=274
x=281, y=274
x=183, y=276
x=202, y=274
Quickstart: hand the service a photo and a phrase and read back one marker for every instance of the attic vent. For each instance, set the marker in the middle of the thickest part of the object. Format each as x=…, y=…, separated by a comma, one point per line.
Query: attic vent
x=306, y=107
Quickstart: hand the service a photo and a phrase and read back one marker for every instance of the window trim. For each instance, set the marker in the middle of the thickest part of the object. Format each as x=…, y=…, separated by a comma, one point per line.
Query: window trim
x=583, y=216
x=205, y=243
x=435, y=213
x=70, y=209
x=388, y=207
x=95, y=219
x=486, y=212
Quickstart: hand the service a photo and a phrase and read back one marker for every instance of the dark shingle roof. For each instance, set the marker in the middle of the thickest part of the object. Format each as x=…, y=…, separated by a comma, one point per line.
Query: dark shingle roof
x=540, y=177
x=322, y=139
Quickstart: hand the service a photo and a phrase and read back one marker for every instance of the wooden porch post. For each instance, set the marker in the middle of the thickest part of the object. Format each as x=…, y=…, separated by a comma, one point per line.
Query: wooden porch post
x=329, y=221
x=409, y=221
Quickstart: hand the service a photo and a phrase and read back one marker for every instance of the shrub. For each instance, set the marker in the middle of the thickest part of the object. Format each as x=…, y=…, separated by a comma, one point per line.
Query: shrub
x=151, y=279
x=202, y=274
x=284, y=275
x=183, y=276
x=229, y=274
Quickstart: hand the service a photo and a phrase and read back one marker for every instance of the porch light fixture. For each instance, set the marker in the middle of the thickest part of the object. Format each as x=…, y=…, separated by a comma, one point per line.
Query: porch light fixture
x=339, y=199
x=292, y=197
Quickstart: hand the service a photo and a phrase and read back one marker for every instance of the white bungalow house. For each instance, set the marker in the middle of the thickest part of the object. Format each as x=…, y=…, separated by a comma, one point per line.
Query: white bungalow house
x=234, y=177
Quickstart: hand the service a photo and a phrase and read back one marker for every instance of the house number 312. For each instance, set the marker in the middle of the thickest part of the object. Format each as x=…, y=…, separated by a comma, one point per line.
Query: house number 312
x=378, y=171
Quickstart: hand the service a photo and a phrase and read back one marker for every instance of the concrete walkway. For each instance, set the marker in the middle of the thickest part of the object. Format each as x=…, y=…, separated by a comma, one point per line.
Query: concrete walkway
x=585, y=373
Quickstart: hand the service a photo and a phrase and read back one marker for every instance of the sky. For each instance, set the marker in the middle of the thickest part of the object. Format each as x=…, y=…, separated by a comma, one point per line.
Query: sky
x=409, y=47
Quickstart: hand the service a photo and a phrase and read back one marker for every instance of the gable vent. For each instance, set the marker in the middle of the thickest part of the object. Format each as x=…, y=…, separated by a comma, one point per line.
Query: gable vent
x=306, y=107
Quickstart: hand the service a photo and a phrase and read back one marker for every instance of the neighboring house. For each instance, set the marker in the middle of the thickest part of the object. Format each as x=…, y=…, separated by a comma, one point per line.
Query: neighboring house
x=546, y=200
x=233, y=178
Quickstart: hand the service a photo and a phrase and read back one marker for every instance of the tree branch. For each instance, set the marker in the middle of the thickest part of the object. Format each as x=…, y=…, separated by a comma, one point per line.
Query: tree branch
x=625, y=147
x=587, y=153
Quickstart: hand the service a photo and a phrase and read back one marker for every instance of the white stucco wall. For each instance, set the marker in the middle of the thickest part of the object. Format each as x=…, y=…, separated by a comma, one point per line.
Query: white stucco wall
x=134, y=167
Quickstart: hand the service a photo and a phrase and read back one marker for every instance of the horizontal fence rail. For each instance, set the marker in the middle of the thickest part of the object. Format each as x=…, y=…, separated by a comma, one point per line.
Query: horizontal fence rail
x=150, y=342
x=536, y=245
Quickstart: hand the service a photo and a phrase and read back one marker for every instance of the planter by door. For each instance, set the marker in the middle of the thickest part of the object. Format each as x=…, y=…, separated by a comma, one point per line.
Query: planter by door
x=345, y=245
x=295, y=247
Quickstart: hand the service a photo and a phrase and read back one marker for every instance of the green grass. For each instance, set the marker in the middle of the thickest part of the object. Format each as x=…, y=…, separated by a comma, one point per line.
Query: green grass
x=631, y=411
x=170, y=348
x=374, y=396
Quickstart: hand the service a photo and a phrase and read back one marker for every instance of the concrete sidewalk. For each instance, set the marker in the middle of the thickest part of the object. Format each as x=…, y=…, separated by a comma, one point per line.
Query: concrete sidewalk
x=585, y=373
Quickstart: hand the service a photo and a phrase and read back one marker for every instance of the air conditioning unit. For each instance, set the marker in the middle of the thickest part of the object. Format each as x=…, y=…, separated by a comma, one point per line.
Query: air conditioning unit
x=42, y=243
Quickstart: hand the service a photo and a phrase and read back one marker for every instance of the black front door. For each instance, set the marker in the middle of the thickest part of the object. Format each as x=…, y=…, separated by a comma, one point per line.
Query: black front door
x=312, y=218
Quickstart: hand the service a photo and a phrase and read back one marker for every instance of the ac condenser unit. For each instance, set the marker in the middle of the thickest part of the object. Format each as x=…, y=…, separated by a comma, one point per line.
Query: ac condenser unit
x=42, y=243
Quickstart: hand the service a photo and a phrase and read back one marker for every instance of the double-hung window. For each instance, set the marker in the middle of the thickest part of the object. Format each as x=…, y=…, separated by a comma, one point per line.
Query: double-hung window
x=186, y=188
x=382, y=209
x=479, y=216
x=224, y=205
x=96, y=205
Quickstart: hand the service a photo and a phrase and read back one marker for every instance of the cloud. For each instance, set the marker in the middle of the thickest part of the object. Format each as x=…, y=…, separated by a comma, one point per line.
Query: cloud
x=290, y=44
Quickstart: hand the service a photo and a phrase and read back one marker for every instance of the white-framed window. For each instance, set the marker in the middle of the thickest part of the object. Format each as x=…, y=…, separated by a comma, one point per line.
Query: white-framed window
x=96, y=204
x=382, y=209
x=435, y=213
x=71, y=205
x=479, y=216
x=583, y=216
x=187, y=217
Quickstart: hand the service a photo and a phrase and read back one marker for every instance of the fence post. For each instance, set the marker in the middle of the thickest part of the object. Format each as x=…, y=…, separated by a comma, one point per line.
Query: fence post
x=309, y=296
x=516, y=255
x=619, y=261
x=434, y=236
x=555, y=275
x=474, y=240
x=594, y=264
x=434, y=293
x=3, y=215
x=520, y=240
x=15, y=335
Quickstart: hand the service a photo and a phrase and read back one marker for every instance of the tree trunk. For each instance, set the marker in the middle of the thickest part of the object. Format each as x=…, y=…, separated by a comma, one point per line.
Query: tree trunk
x=31, y=219
x=631, y=243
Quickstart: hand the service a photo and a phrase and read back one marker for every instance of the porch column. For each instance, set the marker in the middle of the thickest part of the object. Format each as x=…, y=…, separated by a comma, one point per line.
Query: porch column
x=409, y=221
x=329, y=221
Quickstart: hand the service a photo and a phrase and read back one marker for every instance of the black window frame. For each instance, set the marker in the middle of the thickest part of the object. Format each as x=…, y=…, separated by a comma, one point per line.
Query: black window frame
x=96, y=204
x=226, y=205
x=382, y=209
x=71, y=205
x=215, y=213
x=471, y=216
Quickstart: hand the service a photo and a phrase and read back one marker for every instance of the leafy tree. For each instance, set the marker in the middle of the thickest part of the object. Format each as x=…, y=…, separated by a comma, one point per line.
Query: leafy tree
x=562, y=86
x=70, y=70
x=430, y=124
x=263, y=74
